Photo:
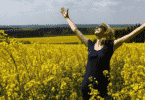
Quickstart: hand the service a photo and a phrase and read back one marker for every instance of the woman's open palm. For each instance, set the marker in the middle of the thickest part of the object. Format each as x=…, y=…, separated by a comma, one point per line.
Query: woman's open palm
x=64, y=12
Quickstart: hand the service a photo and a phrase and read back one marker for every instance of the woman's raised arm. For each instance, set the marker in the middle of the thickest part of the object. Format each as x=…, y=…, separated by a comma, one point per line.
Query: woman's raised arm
x=129, y=36
x=73, y=26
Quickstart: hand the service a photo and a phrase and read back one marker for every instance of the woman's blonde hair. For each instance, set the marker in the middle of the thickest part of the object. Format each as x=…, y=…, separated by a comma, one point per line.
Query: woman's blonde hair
x=109, y=33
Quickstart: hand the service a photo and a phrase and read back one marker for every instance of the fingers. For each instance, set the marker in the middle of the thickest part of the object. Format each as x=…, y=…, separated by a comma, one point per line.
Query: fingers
x=62, y=10
x=67, y=10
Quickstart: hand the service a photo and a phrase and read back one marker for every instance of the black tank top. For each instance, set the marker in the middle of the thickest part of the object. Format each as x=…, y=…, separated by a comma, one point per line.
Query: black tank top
x=99, y=60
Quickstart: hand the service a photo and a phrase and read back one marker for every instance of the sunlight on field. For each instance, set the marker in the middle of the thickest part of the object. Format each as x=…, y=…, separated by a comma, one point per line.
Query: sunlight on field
x=57, y=39
x=60, y=39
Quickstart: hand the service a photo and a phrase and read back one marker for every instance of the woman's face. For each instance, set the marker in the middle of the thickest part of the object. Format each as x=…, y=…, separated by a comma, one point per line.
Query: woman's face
x=99, y=32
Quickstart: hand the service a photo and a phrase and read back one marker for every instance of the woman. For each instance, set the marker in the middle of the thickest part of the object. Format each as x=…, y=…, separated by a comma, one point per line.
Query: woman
x=99, y=54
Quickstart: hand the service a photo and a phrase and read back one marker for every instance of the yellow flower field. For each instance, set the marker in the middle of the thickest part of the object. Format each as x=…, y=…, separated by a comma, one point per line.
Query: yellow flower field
x=40, y=71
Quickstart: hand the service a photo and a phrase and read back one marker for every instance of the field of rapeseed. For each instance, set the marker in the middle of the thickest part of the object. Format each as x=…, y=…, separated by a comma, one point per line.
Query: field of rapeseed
x=47, y=72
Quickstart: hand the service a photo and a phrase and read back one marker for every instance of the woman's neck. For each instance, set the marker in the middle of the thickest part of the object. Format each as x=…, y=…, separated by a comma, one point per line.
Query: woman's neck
x=99, y=42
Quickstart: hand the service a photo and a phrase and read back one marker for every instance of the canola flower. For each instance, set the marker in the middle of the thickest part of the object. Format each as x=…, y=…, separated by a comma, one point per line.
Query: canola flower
x=38, y=76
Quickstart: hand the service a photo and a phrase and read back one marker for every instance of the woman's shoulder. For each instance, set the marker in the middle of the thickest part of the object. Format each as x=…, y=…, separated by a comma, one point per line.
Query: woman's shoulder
x=93, y=41
x=90, y=42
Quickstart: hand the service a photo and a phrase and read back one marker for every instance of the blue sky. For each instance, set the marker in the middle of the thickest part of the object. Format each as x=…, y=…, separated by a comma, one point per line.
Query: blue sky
x=42, y=12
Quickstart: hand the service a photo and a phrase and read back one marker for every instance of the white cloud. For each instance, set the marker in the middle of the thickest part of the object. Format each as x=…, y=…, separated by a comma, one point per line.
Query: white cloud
x=104, y=3
x=139, y=0
x=48, y=11
x=127, y=8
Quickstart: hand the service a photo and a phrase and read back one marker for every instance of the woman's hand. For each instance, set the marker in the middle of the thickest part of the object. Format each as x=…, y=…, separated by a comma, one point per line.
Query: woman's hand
x=64, y=12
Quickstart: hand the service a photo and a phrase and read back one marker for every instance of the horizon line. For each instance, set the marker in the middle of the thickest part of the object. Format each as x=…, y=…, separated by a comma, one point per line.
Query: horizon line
x=75, y=24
